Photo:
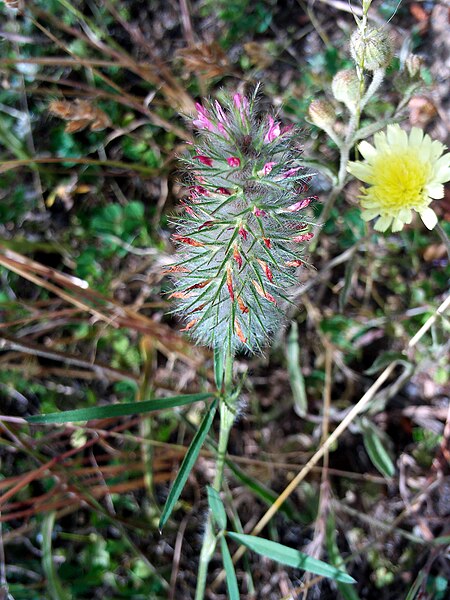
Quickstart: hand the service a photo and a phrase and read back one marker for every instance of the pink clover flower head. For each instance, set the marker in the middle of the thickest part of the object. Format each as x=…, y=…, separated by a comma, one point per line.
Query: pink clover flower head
x=244, y=226
x=205, y=160
x=274, y=130
x=234, y=161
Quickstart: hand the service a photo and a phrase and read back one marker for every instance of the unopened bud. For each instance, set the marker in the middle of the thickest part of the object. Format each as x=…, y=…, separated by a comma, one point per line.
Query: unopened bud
x=346, y=88
x=410, y=77
x=413, y=65
x=321, y=113
x=373, y=50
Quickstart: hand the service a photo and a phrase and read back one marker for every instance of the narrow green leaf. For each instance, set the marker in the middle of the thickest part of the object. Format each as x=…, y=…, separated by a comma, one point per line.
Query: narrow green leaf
x=117, y=410
x=218, y=367
x=290, y=556
x=347, y=591
x=54, y=586
x=376, y=448
x=187, y=464
x=232, y=584
x=384, y=360
x=295, y=373
x=412, y=593
x=349, y=270
x=217, y=507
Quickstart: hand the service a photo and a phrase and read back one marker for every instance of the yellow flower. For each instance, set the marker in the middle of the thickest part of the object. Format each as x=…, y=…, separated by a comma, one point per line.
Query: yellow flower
x=404, y=173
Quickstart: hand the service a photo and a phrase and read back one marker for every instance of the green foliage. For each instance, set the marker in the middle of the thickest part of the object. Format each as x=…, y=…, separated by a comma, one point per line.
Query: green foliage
x=364, y=310
x=240, y=17
x=290, y=556
x=232, y=585
x=187, y=464
x=115, y=410
x=217, y=508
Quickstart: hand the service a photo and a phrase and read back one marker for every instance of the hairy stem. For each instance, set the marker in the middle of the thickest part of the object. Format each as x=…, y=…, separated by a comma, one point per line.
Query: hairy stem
x=227, y=416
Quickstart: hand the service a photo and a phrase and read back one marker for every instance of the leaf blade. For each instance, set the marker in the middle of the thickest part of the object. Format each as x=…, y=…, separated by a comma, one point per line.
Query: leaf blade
x=290, y=556
x=231, y=579
x=187, y=464
x=376, y=450
x=217, y=507
x=117, y=410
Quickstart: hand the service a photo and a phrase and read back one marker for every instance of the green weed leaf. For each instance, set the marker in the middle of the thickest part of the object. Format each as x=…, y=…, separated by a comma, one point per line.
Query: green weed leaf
x=376, y=448
x=290, y=556
x=232, y=584
x=187, y=464
x=217, y=507
x=385, y=360
x=117, y=410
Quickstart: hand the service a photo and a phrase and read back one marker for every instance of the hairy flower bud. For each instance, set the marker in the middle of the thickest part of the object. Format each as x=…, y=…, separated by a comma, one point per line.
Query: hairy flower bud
x=321, y=113
x=413, y=65
x=346, y=88
x=410, y=77
x=244, y=226
x=372, y=50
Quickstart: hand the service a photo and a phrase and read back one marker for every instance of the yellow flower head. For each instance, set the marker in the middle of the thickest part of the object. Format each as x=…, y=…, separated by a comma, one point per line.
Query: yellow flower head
x=404, y=173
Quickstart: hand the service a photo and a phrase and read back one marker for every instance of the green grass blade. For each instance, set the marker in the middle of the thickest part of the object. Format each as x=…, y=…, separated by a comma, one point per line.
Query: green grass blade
x=54, y=586
x=376, y=449
x=413, y=591
x=217, y=507
x=348, y=592
x=290, y=557
x=187, y=464
x=232, y=584
x=117, y=410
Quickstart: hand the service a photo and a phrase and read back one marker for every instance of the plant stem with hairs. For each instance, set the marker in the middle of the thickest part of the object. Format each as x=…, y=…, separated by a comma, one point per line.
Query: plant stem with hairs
x=227, y=408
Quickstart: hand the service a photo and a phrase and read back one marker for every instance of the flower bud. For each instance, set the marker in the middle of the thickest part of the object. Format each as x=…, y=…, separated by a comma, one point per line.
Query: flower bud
x=410, y=78
x=413, y=65
x=321, y=113
x=346, y=88
x=371, y=50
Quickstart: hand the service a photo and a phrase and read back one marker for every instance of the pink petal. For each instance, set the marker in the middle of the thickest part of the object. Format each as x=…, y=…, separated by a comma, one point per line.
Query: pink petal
x=234, y=161
x=205, y=160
